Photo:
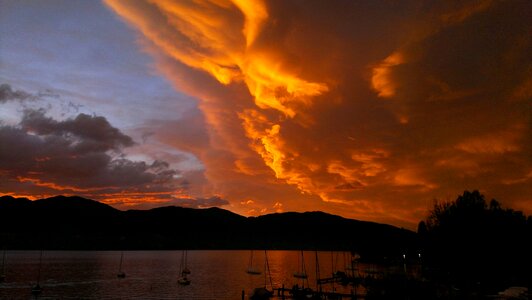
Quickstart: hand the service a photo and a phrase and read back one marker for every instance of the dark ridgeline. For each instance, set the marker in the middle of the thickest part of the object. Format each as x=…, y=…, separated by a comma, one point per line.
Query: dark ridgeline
x=77, y=223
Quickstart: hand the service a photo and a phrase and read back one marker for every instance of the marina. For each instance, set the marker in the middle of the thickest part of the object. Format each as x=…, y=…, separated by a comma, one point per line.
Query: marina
x=151, y=274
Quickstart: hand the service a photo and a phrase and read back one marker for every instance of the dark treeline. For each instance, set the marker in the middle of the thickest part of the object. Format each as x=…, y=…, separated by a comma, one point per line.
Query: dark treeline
x=76, y=223
x=475, y=245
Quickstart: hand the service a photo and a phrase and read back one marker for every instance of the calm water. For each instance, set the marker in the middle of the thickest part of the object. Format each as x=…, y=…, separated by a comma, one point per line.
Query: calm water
x=153, y=274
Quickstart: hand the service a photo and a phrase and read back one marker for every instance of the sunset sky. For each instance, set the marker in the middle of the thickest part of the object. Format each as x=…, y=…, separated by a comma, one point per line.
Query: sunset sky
x=366, y=109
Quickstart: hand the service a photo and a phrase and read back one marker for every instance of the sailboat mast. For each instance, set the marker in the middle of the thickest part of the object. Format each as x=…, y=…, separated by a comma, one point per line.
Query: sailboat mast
x=183, y=268
x=267, y=267
x=304, y=268
x=182, y=262
x=39, y=270
x=333, y=266
x=121, y=258
x=186, y=254
x=3, y=274
x=318, y=284
x=3, y=261
x=265, y=270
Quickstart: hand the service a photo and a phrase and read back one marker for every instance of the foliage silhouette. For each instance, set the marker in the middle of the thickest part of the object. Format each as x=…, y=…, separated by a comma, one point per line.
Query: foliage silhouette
x=473, y=245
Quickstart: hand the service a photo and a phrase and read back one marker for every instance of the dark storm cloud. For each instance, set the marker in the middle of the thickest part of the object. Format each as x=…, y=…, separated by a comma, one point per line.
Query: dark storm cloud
x=8, y=94
x=93, y=133
x=74, y=153
x=42, y=156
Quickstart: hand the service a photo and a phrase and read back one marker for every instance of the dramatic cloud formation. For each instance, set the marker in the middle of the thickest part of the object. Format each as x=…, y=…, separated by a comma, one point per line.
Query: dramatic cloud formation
x=42, y=156
x=366, y=109
x=8, y=94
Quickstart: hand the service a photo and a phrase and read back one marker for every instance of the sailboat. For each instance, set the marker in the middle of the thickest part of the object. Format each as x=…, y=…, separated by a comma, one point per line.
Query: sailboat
x=251, y=270
x=36, y=289
x=302, y=273
x=350, y=265
x=183, y=270
x=302, y=292
x=262, y=293
x=3, y=274
x=121, y=274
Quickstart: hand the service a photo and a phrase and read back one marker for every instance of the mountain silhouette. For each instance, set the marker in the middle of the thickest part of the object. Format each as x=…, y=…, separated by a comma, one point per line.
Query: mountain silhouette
x=75, y=223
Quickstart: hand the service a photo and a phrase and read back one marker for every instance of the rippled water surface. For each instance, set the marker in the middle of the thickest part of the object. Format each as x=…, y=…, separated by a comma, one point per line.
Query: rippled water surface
x=153, y=274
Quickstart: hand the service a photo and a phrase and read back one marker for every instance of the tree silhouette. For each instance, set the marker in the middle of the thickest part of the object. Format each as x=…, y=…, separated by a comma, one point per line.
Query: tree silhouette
x=475, y=245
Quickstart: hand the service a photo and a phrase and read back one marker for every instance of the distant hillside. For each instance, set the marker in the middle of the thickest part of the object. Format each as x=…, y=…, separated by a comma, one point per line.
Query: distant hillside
x=77, y=223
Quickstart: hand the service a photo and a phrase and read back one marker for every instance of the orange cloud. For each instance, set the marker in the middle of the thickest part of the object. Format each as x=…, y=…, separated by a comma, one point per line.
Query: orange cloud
x=382, y=80
x=278, y=206
x=52, y=185
x=293, y=117
x=225, y=54
x=494, y=143
x=409, y=177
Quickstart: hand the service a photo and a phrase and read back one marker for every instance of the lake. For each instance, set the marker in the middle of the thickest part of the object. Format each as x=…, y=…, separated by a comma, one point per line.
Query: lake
x=153, y=274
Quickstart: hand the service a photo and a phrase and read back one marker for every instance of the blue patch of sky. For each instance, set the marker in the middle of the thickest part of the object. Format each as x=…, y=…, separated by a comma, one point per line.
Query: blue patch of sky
x=82, y=52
